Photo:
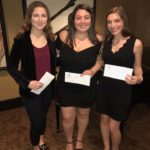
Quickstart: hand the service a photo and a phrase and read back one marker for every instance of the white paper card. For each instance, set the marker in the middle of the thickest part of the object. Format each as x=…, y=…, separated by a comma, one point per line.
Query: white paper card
x=117, y=72
x=46, y=80
x=77, y=78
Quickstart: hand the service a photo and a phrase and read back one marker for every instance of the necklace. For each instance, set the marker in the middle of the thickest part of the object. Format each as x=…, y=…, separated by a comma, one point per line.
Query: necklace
x=117, y=44
x=80, y=44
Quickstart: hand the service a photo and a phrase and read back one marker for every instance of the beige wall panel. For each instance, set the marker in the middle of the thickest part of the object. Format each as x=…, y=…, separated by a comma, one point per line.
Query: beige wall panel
x=138, y=12
x=13, y=15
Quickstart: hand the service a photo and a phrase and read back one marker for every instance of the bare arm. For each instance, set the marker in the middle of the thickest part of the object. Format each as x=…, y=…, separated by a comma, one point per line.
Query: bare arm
x=98, y=64
x=138, y=72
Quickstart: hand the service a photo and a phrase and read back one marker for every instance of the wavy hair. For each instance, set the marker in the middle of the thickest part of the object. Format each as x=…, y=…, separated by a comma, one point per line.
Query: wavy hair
x=123, y=14
x=27, y=22
x=71, y=31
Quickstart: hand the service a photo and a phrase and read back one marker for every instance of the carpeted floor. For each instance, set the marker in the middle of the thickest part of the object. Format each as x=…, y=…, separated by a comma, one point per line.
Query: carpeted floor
x=14, y=128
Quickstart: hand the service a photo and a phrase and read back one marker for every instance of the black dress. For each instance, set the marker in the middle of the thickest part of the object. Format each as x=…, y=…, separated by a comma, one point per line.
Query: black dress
x=70, y=94
x=114, y=96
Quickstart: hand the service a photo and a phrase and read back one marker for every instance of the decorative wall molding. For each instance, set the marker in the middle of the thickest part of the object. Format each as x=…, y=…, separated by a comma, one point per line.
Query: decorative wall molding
x=3, y=41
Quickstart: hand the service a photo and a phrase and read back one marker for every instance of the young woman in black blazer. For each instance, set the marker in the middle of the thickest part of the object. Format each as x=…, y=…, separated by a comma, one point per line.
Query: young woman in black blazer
x=34, y=49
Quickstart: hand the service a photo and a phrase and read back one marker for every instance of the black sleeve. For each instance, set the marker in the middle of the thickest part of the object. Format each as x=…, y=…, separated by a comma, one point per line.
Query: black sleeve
x=13, y=64
x=59, y=45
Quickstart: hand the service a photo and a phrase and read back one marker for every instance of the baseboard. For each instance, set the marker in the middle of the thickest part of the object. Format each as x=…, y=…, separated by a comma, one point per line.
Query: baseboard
x=11, y=104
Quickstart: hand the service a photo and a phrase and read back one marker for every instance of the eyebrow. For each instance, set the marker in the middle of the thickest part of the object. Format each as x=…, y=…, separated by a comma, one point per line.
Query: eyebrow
x=83, y=15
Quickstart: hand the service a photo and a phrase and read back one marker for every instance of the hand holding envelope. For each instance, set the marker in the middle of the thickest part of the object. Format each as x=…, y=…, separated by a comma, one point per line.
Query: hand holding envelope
x=117, y=72
x=77, y=78
x=46, y=80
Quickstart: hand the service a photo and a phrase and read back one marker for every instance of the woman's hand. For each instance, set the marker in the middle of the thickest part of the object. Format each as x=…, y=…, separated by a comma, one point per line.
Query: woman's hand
x=88, y=72
x=35, y=85
x=135, y=79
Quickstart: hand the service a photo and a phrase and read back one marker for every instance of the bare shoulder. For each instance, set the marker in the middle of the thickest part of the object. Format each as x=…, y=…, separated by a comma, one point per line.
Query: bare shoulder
x=63, y=34
x=99, y=37
x=138, y=43
x=138, y=46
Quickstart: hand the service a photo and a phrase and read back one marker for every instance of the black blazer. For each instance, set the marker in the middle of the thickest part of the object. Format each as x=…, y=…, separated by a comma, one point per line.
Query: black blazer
x=22, y=53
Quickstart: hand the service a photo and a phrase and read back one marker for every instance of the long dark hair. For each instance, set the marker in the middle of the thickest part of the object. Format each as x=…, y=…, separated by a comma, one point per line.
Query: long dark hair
x=71, y=31
x=27, y=22
x=123, y=14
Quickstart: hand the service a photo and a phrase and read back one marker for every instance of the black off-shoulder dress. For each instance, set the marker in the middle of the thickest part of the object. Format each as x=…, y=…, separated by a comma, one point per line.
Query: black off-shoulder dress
x=70, y=94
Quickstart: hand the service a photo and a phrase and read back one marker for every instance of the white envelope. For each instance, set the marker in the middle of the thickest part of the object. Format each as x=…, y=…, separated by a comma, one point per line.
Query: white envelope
x=117, y=72
x=46, y=80
x=77, y=78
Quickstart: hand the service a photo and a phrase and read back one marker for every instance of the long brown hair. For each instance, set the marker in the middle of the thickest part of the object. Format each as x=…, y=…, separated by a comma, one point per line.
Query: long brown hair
x=71, y=31
x=27, y=22
x=123, y=14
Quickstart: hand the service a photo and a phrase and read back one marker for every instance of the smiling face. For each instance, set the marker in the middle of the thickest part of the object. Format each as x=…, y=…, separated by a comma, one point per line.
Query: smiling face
x=82, y=20
x=39, y=18
x=115, y=24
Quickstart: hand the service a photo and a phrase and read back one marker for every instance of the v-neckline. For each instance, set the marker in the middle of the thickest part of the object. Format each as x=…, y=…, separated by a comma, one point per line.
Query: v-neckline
x=120, y=47
x=76, y=50
x=80, y=50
